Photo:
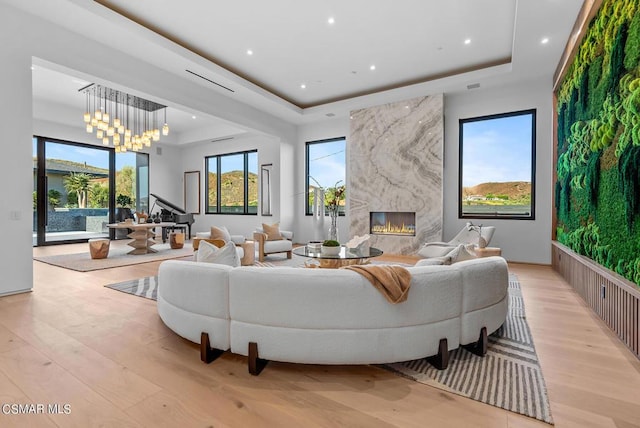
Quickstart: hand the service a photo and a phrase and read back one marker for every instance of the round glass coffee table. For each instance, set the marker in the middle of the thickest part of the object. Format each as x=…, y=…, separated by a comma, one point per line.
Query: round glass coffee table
x=346, y=256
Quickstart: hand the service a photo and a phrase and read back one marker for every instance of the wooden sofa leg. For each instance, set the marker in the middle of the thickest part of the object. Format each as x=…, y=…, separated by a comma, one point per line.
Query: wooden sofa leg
x=480, y=347
x=441, y=359
x=288, y=254
x=256, y=364
x=207, y=353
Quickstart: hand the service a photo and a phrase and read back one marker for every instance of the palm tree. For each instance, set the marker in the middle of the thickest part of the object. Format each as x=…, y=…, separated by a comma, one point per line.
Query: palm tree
x=79, y=183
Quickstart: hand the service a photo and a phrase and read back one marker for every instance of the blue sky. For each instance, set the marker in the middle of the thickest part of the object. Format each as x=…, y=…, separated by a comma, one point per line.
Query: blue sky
x=327, y=163
x=497, y=150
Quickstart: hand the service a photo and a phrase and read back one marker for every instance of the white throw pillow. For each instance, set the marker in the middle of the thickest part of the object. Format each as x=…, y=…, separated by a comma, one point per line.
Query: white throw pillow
x=225, y=255
x=461, y=253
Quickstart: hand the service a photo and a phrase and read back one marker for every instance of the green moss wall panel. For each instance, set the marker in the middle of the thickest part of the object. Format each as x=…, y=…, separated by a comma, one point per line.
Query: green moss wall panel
x=598, y=170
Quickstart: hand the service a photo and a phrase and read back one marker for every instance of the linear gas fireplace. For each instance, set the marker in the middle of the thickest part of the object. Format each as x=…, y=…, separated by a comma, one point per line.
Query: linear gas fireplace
x=392, y=223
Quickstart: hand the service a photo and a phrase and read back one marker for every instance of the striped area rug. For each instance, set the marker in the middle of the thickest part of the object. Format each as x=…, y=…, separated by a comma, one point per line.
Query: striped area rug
x=144, y=287
x=508, y=376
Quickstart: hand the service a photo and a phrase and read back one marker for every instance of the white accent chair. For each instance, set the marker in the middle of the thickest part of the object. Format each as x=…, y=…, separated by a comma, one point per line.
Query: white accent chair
x=265, y=247
x=468, y=235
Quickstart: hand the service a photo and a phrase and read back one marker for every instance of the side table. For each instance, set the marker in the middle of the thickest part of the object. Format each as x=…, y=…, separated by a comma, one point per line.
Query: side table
x=488, y=251
x=249, y=249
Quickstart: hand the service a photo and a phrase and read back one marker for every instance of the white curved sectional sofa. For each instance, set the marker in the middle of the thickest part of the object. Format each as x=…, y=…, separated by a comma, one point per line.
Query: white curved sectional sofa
x=332, y=316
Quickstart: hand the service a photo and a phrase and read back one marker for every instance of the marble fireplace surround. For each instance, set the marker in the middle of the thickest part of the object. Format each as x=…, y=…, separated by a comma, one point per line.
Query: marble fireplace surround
x=395, y=163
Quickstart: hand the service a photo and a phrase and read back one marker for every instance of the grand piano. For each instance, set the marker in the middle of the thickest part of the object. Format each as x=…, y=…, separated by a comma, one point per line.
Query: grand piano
x=172, y=213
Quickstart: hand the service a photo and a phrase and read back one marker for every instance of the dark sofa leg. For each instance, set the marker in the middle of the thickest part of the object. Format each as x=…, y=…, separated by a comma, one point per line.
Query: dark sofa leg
x=441, y=359
x=207, y=353
x=480, y=347
x=256, y=364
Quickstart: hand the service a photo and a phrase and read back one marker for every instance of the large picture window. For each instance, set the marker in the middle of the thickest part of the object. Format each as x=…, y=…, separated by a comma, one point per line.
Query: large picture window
x=232, y=183
x=326, y=168
x=497, y=166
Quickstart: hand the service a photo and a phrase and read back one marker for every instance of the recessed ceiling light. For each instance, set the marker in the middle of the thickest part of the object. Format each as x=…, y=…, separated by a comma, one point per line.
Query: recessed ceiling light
x=467, y=41
x=193, y=117
x=303, y=86
x=544, y=41
x=331, y=20
x=32, y=67
x=372, y=67
x=249, y=52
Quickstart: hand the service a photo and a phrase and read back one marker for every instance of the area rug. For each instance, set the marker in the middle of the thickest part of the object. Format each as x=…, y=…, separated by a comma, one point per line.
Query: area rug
x=508, y=376
x=82, y=262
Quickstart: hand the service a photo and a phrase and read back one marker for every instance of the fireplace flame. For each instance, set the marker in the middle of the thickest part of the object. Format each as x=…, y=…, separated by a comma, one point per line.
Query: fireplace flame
x=398, y=229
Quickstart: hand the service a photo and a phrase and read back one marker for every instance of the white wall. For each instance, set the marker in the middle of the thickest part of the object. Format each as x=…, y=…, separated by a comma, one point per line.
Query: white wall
x=192, y=159
x=16, y=173
x=165, y=174
x=520, y=240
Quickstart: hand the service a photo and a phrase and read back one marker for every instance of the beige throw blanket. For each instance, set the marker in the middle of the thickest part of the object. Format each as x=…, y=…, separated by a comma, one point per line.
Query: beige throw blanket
x=392, y=281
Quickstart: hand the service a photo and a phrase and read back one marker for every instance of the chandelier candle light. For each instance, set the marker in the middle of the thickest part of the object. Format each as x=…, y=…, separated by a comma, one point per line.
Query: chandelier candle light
x=126, y=121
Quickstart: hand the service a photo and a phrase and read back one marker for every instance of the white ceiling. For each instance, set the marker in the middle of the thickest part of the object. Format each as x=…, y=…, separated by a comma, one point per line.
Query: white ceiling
x=293, y=43
x=417, y=47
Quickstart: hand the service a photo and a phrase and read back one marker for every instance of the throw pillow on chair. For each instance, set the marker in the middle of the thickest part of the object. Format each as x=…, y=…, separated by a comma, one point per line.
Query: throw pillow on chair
x=220, y=233
x=272, y=231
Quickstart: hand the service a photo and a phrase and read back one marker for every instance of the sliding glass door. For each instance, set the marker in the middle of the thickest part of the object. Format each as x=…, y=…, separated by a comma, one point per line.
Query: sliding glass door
x=72, y=197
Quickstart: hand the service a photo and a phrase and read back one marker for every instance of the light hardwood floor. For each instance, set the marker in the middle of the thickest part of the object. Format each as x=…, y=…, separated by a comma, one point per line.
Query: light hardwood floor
x=108, y=355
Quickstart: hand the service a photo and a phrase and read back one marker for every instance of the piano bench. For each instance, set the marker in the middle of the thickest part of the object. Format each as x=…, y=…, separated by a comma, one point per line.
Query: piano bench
x=180, y=227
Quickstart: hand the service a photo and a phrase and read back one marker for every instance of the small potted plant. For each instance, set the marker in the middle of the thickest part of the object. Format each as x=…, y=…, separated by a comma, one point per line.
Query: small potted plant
x=123, y=208
x=330, y=247
x=482, y=243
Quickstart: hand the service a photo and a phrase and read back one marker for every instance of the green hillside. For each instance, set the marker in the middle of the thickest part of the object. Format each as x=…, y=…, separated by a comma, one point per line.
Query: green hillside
x=232, y=189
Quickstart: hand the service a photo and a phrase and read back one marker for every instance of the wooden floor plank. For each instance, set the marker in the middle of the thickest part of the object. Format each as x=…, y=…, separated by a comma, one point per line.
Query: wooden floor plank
x=113, y=381
x=10, y=417
x=46, y=382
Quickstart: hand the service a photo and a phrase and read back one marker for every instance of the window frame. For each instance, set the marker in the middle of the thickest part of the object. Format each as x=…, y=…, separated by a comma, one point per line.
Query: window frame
x=307, y=209
x=218, y=163
x=504, y=216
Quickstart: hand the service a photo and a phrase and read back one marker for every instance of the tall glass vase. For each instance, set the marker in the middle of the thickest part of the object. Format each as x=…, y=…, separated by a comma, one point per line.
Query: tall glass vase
x=333, y=225
x=318, y=214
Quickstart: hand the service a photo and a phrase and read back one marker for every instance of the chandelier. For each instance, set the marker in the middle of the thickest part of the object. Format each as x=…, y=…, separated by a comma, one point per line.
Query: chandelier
x=126, y=121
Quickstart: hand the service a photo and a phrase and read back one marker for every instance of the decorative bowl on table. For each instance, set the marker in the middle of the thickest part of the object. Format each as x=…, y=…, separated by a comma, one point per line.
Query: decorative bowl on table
x=330, y=248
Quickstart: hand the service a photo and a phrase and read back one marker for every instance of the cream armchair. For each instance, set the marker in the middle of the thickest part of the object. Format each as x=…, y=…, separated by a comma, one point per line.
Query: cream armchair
x=245, y=249
x=468, y=235
x=266, y=246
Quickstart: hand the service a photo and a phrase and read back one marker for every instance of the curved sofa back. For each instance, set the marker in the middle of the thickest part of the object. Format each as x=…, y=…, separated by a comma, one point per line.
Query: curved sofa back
x=339, y=298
